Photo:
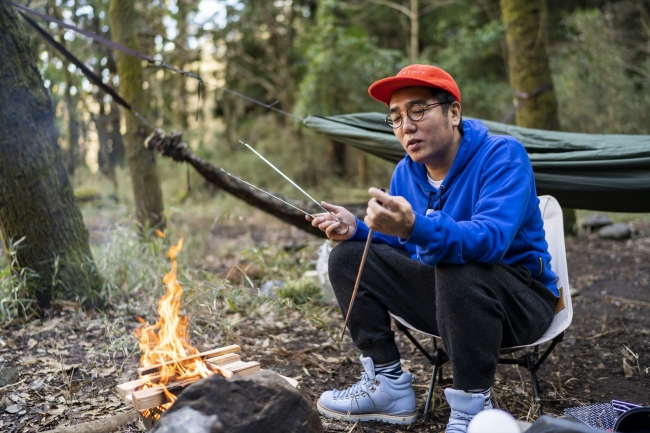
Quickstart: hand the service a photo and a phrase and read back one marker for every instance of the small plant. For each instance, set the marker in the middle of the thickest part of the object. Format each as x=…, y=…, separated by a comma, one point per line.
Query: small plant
x=15, y=299
x=301, y=291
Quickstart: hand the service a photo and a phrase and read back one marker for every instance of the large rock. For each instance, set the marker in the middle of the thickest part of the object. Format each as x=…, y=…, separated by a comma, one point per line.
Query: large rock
x=8, y=376
x=188, y=420
x=595, y=221
x=263, y=402
x=617, y=231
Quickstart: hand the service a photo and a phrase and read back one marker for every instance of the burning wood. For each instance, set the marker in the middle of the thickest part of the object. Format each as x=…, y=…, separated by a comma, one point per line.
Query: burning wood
x=169, y=362
x=143, y=371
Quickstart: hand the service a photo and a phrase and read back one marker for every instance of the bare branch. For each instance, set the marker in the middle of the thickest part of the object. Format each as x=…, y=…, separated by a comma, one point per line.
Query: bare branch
x=435, y=5
x=398, y=7
x=251, y=76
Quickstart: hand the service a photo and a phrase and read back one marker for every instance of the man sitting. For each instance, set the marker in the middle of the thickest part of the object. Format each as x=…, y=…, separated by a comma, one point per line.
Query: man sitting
x=459, y=252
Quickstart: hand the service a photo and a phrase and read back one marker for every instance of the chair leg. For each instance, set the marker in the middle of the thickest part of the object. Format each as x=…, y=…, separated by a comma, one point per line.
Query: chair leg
x=538, y=400
x=437, y=360
x=432, y=384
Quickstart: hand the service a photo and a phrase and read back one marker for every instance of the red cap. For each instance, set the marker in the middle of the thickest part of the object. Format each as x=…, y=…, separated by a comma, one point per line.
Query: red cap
x=414, y=76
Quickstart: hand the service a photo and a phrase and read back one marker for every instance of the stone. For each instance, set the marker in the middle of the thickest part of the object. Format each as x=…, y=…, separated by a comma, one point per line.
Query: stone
x=619, y=231
x=595, y=221
x=260, y=402
x=188, y=420
x=8, y=376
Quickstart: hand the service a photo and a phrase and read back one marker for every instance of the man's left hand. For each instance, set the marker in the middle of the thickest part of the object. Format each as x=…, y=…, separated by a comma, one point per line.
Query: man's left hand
x=393, y=216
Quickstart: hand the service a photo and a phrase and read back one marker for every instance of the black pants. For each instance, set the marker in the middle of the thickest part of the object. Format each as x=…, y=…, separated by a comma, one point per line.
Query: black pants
x=475, y=308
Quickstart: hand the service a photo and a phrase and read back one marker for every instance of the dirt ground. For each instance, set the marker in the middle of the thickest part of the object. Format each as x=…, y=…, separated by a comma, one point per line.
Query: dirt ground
x=65, y=377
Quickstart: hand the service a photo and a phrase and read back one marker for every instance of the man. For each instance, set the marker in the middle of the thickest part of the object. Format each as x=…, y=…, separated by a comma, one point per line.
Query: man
x=460, y=253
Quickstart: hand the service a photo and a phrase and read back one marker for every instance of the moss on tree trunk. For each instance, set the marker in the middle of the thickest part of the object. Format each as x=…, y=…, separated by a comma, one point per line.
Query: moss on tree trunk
x=36, y=199
x=528, y=63
x=141, y=161
x=529, y=71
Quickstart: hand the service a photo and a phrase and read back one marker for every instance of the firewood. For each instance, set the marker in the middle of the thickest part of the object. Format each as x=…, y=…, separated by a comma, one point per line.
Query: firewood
x=223, y=359
x=153, y=397
x=143, y=371
x=126, y=388
x=243, y=368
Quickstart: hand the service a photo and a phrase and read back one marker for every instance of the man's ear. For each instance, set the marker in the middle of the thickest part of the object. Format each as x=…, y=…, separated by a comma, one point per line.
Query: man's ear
x=454, y=113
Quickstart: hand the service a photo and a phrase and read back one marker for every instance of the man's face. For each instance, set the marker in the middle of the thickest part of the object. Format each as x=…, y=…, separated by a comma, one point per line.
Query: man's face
x=430, y=141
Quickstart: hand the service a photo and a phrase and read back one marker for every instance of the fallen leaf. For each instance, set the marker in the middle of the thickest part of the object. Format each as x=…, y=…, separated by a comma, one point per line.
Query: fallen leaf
x=108, y=371
x=329, y=359
x=628, y=370
x=31, y=343
x=17, y=399
x=14, y=408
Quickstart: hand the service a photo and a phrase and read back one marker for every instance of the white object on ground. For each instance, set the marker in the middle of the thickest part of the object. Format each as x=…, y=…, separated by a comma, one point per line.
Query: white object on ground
x=493, y=420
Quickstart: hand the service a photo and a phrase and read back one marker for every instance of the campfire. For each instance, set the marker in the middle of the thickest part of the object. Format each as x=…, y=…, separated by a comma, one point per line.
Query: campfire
x=169, y=362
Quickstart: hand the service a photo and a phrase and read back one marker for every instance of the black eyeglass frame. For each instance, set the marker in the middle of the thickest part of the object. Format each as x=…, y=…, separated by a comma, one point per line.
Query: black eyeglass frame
x=424, y=108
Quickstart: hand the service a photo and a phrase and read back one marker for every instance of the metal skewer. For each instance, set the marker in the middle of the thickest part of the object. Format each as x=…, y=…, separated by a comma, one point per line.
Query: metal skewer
x=289, y=180
x=343, y=223
x=267, y=193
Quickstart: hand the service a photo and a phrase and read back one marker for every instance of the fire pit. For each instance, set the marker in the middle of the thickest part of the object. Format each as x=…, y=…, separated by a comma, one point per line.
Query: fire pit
x=169, y=363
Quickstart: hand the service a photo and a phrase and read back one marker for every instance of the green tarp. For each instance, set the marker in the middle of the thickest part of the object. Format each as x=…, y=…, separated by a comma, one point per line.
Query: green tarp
x=582, y=171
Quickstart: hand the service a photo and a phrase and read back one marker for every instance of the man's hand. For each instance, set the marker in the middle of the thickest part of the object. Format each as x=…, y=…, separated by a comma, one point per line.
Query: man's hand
x=326, y=223
x=394, y=216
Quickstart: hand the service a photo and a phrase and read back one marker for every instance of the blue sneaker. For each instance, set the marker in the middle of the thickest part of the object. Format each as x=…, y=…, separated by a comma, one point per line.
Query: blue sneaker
x=464, y=406
x=373, y=398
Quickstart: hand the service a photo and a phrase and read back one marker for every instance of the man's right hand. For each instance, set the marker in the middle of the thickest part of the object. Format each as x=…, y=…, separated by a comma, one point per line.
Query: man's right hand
x=329, y=225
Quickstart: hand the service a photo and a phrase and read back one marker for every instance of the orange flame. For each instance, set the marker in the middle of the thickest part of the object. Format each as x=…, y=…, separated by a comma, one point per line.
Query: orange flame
x=167, y=342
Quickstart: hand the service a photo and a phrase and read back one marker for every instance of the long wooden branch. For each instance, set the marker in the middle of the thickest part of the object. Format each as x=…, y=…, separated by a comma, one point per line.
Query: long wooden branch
x=103, y=425
x=173, y=147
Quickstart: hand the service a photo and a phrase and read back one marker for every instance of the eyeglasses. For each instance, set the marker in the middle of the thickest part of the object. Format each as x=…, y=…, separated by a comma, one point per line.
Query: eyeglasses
x=414, y=112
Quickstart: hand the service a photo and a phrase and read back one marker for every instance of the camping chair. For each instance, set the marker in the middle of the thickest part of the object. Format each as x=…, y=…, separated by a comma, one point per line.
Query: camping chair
x=531, y=360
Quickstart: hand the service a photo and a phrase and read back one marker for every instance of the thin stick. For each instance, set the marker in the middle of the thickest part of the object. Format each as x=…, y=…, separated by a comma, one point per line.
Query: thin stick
x=289, y=180
x=356, y=283
x=267, y=193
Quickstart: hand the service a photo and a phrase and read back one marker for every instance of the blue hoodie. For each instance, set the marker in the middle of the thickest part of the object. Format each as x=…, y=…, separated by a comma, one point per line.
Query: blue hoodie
x=485, y=211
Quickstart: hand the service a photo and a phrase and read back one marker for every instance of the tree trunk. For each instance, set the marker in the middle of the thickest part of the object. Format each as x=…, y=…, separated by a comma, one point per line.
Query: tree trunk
x=181, y=51
x=73, y=125
x=337, y=158
x=36, y=199
x=141, y=162
x=524, y=22
x=72, y=155
x=528, y=63
x=414, y=17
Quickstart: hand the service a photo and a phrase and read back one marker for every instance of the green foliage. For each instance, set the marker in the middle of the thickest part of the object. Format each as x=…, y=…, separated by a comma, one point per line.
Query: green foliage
x=16, y=294
x=301, y=291
x=472, y=52
x=87, y=194
x=597, y=87
x=343, y=61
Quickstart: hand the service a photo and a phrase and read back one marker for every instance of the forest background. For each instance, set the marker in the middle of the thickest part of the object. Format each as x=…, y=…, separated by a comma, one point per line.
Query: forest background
x=300, y=58
x=303, y=57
